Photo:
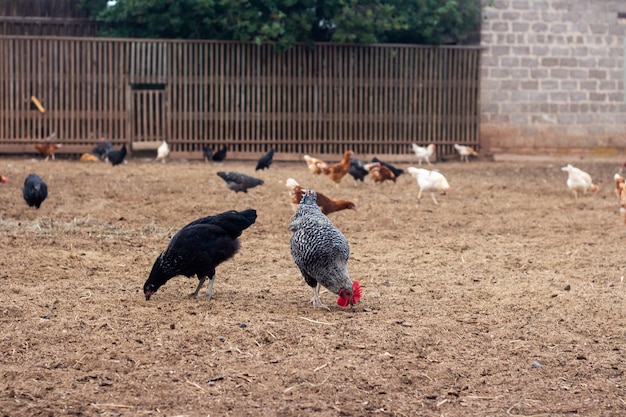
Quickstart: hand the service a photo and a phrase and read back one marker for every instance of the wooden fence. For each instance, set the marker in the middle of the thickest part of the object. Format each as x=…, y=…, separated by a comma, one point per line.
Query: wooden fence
x=373, y=99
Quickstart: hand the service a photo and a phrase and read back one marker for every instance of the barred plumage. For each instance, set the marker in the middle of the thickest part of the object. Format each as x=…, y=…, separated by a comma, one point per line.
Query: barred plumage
x=320, y=251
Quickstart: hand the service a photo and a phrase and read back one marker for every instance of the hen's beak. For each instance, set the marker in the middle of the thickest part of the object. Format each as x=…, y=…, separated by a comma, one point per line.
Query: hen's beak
x=148, y=294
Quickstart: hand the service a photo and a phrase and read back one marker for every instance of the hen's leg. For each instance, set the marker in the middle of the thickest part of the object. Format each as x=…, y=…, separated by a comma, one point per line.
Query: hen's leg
x=200, y=284
x=433, y=197
x=209, y=290
x=316, y=298
x=419, y=195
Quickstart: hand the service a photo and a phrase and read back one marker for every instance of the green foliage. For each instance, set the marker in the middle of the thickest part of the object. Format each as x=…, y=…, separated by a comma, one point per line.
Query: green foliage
x=437, y=21
x=285, y=22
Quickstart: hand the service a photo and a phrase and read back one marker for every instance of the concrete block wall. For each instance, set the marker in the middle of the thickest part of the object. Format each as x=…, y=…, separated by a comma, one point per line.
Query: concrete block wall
x=553, y=75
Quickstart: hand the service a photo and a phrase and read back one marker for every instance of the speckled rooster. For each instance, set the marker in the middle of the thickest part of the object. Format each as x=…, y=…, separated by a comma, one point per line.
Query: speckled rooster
x=321, y=252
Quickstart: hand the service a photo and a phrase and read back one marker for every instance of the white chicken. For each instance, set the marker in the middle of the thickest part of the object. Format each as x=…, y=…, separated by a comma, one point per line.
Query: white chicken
x=579, y=181
x=423, y=153
x=465, y=152
x=431, y=181
x=163, y=152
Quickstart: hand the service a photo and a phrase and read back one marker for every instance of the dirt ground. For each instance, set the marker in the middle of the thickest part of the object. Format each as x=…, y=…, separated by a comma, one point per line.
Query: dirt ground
x=505, y=299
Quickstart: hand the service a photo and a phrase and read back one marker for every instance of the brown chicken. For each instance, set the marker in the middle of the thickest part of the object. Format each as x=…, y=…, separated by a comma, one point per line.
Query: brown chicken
x=327, y=205
x=47, y=149
x=337, y=171
x=315, y=165
x=380, y=173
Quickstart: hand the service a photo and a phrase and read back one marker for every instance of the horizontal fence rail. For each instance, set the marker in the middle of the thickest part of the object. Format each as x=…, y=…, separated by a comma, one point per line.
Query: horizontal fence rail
x=374, y=99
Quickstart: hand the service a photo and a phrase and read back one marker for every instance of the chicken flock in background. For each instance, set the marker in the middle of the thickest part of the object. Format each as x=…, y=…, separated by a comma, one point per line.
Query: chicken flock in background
x=198, y=248
x=237, y=181
x=429, y=181
x=318, y=248
x=35, y=190
x=423, y=153
x=579, y=181
x=327, y=205
x=465, y=152
x=321, y=252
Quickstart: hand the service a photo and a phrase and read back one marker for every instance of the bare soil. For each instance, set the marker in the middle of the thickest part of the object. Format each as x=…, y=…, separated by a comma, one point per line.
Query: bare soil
x=505, y=299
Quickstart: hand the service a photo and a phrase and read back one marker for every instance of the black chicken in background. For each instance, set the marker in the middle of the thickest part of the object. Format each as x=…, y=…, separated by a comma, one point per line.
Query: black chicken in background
x=357, y=170
x=198, y=248
x=116, y=157
x=35, y=190
x=266, y=160
x=237, y=181
x=220, y=155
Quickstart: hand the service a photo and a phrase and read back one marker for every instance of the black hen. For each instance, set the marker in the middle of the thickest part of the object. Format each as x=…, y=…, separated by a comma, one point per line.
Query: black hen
x=220, y=155
x=237, y=181
x=396, y=171
x=117, y=157
x=35, y=190
x=357, y=170
x=207, y=152
x=198, y=248
x=265, y=161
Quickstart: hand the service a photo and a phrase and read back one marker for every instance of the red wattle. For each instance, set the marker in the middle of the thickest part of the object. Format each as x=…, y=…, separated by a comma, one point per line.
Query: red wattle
x=356, y=295
x=343, y=302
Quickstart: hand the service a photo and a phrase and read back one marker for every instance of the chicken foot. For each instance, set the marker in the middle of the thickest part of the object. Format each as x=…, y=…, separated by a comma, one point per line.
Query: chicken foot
x=316, y=298
x=200, y=284
x=432, y=195
x=209, y=289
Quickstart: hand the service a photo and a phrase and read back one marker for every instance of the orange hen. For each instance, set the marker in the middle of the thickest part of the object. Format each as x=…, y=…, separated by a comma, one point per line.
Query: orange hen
x=337, y=171
x=47, y=149
x=327, y=205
